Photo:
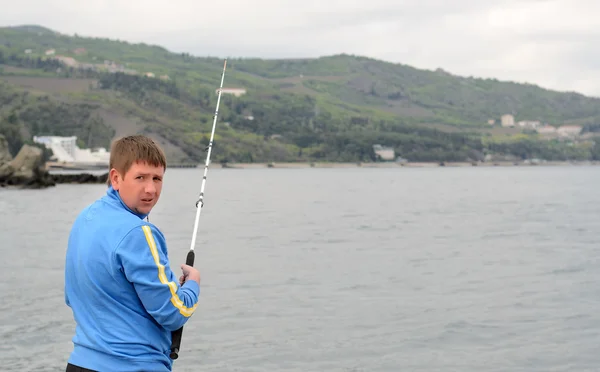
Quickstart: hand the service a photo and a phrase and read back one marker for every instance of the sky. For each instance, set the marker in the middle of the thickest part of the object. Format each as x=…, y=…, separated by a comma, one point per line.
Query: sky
x=551, y=43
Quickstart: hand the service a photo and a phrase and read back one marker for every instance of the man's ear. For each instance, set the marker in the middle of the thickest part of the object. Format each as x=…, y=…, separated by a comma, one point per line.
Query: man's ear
x=114, y=178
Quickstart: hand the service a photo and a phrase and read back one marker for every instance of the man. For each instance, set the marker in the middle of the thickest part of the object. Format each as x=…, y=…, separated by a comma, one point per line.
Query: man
x=124, y=297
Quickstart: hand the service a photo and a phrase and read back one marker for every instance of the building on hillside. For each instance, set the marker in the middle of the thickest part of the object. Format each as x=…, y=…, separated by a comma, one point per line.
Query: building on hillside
x=65, y=150
x=384, y=153
x=546, y=129
x=69, y=61
x=507, y=120
x=529, y=124
x=569, y=130
x=62, y=147
x=235, y=91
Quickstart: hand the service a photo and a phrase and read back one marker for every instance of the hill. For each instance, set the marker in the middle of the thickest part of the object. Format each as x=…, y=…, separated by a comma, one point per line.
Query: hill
x=332, y=108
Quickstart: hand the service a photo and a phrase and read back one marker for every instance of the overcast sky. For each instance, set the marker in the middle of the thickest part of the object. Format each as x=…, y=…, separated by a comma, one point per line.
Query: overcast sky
x=552, y=43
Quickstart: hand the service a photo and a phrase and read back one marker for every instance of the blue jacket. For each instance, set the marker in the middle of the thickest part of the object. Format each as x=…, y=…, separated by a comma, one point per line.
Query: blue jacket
x=124, y=297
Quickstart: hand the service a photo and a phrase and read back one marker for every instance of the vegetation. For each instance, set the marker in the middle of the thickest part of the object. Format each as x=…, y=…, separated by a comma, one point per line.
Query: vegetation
x=332, y=108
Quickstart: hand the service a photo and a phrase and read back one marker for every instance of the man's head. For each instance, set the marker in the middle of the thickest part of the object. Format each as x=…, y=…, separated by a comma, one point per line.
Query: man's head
x=137, y=166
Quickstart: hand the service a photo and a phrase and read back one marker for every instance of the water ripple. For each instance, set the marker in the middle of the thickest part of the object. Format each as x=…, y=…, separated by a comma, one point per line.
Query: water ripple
x=433, y=270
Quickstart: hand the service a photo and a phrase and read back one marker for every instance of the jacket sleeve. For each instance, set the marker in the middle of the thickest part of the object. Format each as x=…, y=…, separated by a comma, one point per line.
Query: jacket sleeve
x=142, y=256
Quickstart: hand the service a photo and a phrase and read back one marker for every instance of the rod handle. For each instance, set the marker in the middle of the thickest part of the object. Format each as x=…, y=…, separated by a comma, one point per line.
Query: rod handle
x=176, y=335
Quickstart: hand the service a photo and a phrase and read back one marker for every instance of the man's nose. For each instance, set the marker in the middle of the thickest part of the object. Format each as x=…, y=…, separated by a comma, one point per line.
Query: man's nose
x=150, y=188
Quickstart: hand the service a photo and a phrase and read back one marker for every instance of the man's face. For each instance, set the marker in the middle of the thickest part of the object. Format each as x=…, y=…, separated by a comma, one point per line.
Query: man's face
x=141, y=186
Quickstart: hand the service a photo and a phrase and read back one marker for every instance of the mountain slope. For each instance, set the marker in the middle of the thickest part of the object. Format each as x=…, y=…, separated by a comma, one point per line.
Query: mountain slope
x=440, y=96
x=331, y=108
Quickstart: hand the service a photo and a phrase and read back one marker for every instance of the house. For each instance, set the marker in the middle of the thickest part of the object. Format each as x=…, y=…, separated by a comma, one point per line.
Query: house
x=569, y=130
x=235, y=91
x=507, y=120
x=69, y=61
x=384, y=153
x=529, y=124
x=546, y=129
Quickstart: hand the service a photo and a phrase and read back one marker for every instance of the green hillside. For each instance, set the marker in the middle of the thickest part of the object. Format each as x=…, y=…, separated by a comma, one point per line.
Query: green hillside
x=333, y=108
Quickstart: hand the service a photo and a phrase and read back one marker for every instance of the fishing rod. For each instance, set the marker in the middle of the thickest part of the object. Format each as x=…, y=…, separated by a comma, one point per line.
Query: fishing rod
x=176, y=335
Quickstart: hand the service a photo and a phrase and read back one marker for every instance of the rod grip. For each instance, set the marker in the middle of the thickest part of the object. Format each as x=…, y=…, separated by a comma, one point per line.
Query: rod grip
x=175, y=343
x=176, y=335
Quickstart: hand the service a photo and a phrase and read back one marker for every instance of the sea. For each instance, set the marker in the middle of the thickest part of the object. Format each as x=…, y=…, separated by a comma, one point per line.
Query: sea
x=353, y=269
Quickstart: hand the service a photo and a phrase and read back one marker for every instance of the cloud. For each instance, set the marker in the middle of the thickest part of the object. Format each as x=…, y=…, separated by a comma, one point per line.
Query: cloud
x=545, y=42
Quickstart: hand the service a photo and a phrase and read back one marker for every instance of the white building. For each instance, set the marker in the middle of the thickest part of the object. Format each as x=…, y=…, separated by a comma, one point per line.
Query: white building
x=569, y=130
x=65, y=150
x=385, y=153
x=546, y=129
x=508, y=120
x=529, y=124
x=235, y=91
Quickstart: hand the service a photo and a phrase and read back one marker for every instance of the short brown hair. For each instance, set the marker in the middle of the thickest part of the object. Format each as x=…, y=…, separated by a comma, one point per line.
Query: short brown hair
x=131, y=149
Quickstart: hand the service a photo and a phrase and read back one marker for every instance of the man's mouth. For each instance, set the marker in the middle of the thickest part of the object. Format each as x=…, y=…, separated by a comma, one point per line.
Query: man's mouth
x=147, y=200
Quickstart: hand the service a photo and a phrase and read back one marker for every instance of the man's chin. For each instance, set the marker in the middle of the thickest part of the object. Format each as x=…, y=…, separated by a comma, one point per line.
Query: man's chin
x=144, y=209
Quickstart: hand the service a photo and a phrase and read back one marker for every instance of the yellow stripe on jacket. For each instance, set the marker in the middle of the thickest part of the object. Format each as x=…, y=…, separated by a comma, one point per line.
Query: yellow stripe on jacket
x=175, y=300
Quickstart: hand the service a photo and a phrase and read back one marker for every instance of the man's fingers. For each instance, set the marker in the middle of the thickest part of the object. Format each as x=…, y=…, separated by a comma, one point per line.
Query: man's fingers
x=185, y=268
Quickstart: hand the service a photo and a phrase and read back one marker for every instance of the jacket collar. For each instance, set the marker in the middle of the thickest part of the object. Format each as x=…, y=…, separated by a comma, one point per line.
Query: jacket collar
x=115, y=198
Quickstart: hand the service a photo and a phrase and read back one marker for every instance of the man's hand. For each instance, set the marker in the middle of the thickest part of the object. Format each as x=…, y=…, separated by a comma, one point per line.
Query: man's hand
x=189, y=273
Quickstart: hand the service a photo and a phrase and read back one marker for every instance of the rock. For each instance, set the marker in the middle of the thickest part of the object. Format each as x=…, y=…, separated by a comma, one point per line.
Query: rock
x=25, y=170
x=5, y=156
x=79, y=178
x=6, y=170
x=27, y=161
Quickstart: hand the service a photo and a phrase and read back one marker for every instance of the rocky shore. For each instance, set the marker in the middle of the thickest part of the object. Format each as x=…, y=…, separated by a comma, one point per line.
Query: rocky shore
x=27, y=170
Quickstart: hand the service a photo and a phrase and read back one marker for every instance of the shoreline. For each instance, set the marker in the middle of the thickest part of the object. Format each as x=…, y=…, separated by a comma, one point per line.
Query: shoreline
x=74, y=172
x=324, y=165
x=64, y=175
